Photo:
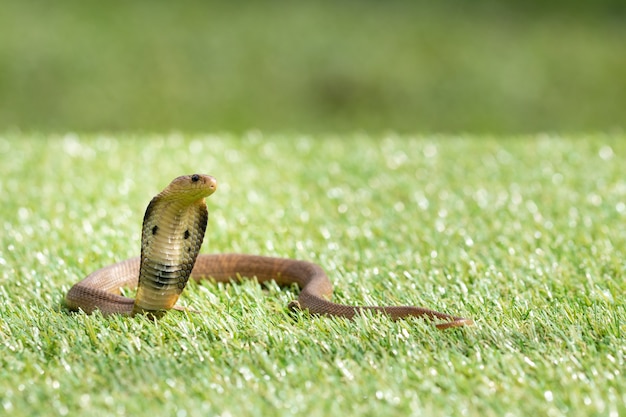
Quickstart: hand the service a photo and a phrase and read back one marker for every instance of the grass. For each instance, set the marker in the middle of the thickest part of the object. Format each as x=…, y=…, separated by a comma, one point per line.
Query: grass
x=322, y=67
x=522, y=234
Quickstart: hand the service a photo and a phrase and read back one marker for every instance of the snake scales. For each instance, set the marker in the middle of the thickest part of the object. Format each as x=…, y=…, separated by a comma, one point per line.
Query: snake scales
x=173, y=229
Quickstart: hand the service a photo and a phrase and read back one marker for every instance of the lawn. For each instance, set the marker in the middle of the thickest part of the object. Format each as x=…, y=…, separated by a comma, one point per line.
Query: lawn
x=522, y=234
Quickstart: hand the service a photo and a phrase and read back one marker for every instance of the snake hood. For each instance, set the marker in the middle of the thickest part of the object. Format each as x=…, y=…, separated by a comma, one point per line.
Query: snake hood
x=173, y=229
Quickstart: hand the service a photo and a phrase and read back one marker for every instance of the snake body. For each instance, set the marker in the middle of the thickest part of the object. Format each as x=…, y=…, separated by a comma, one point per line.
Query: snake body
x=173, y=230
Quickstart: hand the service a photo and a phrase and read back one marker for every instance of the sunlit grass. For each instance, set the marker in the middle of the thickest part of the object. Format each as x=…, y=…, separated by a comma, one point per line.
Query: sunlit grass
x=522, y=234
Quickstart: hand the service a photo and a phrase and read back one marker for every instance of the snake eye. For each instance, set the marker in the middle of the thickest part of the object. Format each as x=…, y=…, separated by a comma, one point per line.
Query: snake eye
x=195, y=177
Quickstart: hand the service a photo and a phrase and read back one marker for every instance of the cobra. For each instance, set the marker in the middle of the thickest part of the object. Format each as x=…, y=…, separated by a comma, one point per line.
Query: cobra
x=174, y=225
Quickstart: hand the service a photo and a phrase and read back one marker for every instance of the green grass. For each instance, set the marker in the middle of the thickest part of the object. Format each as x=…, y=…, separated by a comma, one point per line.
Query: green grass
x=525, y=235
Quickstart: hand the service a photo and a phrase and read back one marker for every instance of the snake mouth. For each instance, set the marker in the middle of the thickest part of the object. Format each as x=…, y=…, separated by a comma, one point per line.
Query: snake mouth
x=212, y=183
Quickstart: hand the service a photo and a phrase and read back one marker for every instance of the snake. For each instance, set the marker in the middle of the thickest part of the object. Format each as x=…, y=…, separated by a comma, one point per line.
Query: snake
x=174, y=226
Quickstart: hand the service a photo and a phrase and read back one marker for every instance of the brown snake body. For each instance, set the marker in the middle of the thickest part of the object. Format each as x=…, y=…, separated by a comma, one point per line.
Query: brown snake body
x=173, y=229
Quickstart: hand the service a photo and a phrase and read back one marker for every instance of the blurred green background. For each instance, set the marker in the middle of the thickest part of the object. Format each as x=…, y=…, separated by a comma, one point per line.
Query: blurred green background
x=412, y=66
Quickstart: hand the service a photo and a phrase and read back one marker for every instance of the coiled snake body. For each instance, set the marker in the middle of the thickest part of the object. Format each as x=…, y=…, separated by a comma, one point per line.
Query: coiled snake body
x=173, y=229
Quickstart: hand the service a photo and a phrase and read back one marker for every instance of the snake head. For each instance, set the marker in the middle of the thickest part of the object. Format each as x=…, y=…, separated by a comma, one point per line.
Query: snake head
x=190, y=187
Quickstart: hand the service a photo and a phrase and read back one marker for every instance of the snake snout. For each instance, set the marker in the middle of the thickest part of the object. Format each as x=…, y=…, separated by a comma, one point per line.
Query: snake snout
x=211, y=182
